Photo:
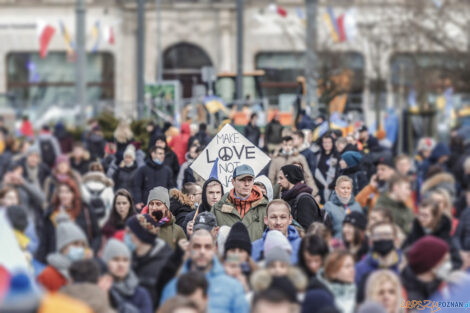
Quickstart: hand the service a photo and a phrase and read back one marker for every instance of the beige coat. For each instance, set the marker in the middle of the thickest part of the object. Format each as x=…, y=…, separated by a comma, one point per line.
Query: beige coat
x=281, y=159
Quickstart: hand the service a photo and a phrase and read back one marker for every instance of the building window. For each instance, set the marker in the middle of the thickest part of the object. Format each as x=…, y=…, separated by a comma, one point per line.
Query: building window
x=34, y=82
x=283, y=68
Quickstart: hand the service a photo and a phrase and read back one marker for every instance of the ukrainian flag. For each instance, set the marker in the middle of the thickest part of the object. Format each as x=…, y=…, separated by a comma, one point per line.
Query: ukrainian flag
x=69, y=44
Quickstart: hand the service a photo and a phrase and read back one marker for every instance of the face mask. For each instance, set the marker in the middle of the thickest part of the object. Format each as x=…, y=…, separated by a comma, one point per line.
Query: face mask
x=382, y=247
x=157, y=161
x=444, y=270
x=76, y=253
x=128, y=242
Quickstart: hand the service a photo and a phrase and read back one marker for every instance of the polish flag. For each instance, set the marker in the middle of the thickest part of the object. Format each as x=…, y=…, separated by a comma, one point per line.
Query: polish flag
x=278, y=9
x=45, y=33
x=109, y=35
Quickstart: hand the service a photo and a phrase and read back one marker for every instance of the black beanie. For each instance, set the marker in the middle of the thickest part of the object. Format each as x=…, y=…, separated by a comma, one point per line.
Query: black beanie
x=238, y=238
x=357, y=219
x=17, y=216
x=293, y=173
x=285, y=285
x=144, y=227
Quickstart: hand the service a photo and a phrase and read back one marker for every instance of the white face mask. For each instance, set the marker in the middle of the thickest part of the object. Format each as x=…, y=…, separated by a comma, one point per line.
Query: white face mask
x=444, y=270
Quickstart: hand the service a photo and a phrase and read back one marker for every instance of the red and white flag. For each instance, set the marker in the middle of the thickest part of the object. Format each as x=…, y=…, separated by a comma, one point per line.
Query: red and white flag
x=109, y=35
x=45, y=33
x=278, y=9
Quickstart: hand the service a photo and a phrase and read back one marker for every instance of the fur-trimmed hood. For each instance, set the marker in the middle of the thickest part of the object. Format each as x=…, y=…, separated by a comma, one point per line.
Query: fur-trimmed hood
x=180, y=197
x=98, y=177
x=261, y=279
x=441, y=180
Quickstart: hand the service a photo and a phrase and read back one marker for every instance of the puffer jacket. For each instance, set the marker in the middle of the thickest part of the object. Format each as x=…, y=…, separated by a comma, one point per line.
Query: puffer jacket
x=257, y=250
x=226, y=295
x=227, y=214
x=179, y=143
x=123, y=177
x=91, y=294
x=337, y=211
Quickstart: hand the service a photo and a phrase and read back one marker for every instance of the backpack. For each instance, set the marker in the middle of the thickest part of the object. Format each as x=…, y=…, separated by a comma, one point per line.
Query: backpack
x=323, y=216
x=96, y=203
x=48, y=154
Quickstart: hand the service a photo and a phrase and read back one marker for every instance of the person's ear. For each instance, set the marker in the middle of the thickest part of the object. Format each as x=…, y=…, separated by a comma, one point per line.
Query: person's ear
x=266, y=220
x=290, y=219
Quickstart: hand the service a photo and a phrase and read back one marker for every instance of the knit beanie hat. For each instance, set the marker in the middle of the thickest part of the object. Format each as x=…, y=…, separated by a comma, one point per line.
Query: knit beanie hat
x=62, y=158
x=67, y=232
x=161, y=194
x=144, y=227
x=115, y=248
x=293, y=173
x=238, y=238
x=130, y=150
x=276, y=247
x=17, y=216
x=357, y=219
x=316, y=300
x=285, y=285
x=222, y=235
x=426, y=253
x=33, y=150
x=352, y=158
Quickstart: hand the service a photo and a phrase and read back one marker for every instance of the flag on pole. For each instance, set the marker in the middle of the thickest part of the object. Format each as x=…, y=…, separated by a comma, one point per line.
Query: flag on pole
x=278, y=9
x=213, y=173
x=69, y=44
x=108, y=34
x=341, y=30
x=96, y=34
x=350, y=24
x=45, y=33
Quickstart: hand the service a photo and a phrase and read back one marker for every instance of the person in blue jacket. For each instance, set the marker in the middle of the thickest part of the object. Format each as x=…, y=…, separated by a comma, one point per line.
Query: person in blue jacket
x=278, y=217
x=226, y=295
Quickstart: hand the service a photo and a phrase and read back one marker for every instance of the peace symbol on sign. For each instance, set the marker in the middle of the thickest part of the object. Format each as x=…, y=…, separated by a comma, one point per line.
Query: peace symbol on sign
x=225, y=153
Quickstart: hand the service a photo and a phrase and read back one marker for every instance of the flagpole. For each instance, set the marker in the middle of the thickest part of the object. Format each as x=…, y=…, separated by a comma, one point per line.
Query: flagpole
x=311, y=57
x=159, y=41
x=81, y=64
x=140, y=57
x=239, y=81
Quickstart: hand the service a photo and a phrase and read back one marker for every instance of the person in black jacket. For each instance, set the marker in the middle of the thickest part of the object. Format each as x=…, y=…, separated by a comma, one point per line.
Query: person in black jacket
x=67, y=199
x=171, y=160
x=153, y=174
x=252, y=131
x=123, y=177
x=149, y=253
x=212, y=192
x=304, y=208
x=432, y=221
x=201, y=136
x=95, y=143
x=181, y=203
x=154, y=131
x=80, y=159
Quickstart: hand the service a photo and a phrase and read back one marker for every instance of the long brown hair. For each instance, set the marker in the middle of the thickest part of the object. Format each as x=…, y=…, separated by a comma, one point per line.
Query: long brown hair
x=334, y=261
x=77, y=199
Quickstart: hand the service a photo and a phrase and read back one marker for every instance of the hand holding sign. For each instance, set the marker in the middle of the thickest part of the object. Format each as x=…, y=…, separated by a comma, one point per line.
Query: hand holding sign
x=224, y=153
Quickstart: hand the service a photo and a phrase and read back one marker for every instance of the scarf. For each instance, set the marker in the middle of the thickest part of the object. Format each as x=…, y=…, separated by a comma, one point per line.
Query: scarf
x=244, y=205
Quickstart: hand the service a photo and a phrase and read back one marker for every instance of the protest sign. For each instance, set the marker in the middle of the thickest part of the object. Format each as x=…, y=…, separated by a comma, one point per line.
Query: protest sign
x=224, y=153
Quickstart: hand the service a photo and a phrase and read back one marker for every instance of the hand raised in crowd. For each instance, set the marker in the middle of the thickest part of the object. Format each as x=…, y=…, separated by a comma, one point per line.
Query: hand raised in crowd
x=139, y=206
x=373, y=181
x=189, y=228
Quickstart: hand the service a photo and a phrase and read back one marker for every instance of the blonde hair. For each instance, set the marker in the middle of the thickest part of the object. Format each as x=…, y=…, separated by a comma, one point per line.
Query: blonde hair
x=123, y=132
x=342, y=179
x=377, y=280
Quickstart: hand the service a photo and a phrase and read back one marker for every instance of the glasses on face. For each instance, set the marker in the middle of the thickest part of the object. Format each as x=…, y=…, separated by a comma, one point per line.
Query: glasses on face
x=381, y=235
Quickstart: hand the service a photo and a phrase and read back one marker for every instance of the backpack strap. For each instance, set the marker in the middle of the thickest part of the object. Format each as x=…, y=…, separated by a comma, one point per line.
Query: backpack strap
x=88, y=222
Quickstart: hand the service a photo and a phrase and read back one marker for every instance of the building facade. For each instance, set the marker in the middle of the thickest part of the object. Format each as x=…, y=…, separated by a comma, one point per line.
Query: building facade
x=384, y=44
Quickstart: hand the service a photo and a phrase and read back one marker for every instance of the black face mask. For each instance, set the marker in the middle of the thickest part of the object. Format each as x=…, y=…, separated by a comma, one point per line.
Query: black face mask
x=383, y=247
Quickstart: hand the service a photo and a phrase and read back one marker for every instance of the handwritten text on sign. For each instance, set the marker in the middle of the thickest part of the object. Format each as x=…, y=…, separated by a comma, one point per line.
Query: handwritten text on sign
x=228, y=149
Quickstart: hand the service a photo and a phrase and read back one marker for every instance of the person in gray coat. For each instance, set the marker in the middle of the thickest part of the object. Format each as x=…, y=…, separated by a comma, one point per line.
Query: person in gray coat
x=341, y=203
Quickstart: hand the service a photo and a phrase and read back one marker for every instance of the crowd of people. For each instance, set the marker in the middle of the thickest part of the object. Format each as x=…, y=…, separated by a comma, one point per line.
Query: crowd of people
x=338, y=223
